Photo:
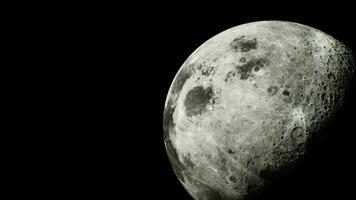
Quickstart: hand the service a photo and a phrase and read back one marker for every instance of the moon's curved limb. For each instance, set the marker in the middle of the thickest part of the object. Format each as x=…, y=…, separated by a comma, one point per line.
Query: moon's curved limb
x=244, y=106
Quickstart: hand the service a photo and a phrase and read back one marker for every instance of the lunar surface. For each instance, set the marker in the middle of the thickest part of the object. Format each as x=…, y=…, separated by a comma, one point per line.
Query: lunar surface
x=245, y=105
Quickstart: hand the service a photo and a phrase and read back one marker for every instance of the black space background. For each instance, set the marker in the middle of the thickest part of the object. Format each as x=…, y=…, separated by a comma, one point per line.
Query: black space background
x=136, y=52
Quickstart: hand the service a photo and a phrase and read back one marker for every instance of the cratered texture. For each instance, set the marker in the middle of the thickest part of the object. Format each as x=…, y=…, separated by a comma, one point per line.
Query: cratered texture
x=244, y=106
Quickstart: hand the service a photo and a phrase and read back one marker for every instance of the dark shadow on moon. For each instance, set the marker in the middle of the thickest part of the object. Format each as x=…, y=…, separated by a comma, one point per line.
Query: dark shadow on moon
x=197, y=100
x=246, y=70
x=329, y=170
x=244, y=44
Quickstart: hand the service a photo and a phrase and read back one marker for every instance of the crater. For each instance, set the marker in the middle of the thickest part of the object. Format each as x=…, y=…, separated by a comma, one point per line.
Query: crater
x=272, y=90
x=330, y=76
x=197, y=99
x=243, y=44
x=285, y=92
x=233, y=179
x=230, y=151
x=230, y=75
x=296, y=135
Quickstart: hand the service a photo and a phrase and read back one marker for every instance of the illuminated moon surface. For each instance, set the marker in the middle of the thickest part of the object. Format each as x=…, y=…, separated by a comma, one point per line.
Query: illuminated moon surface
x=244, y=106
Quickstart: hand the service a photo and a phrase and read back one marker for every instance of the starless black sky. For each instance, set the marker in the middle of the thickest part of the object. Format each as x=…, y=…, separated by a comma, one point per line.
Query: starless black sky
x=152, y=42
x=98, y=75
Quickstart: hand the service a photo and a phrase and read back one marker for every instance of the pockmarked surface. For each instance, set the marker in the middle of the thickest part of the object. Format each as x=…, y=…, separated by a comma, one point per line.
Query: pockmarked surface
x=244, y=106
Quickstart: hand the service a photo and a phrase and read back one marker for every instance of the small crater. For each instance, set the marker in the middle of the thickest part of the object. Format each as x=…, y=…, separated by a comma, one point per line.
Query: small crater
x=243, y=59
x=255, y=85
x=330, y=75
x=233, y=179
x=296, y=135
x=296, y=131
x=272, y=90
x=230, y=75
x=230, y=151
x=285, y=93
x=331, y=96
x=244, y=44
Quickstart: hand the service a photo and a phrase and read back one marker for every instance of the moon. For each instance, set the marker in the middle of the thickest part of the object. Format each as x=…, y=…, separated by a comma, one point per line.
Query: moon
x=244, y=106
